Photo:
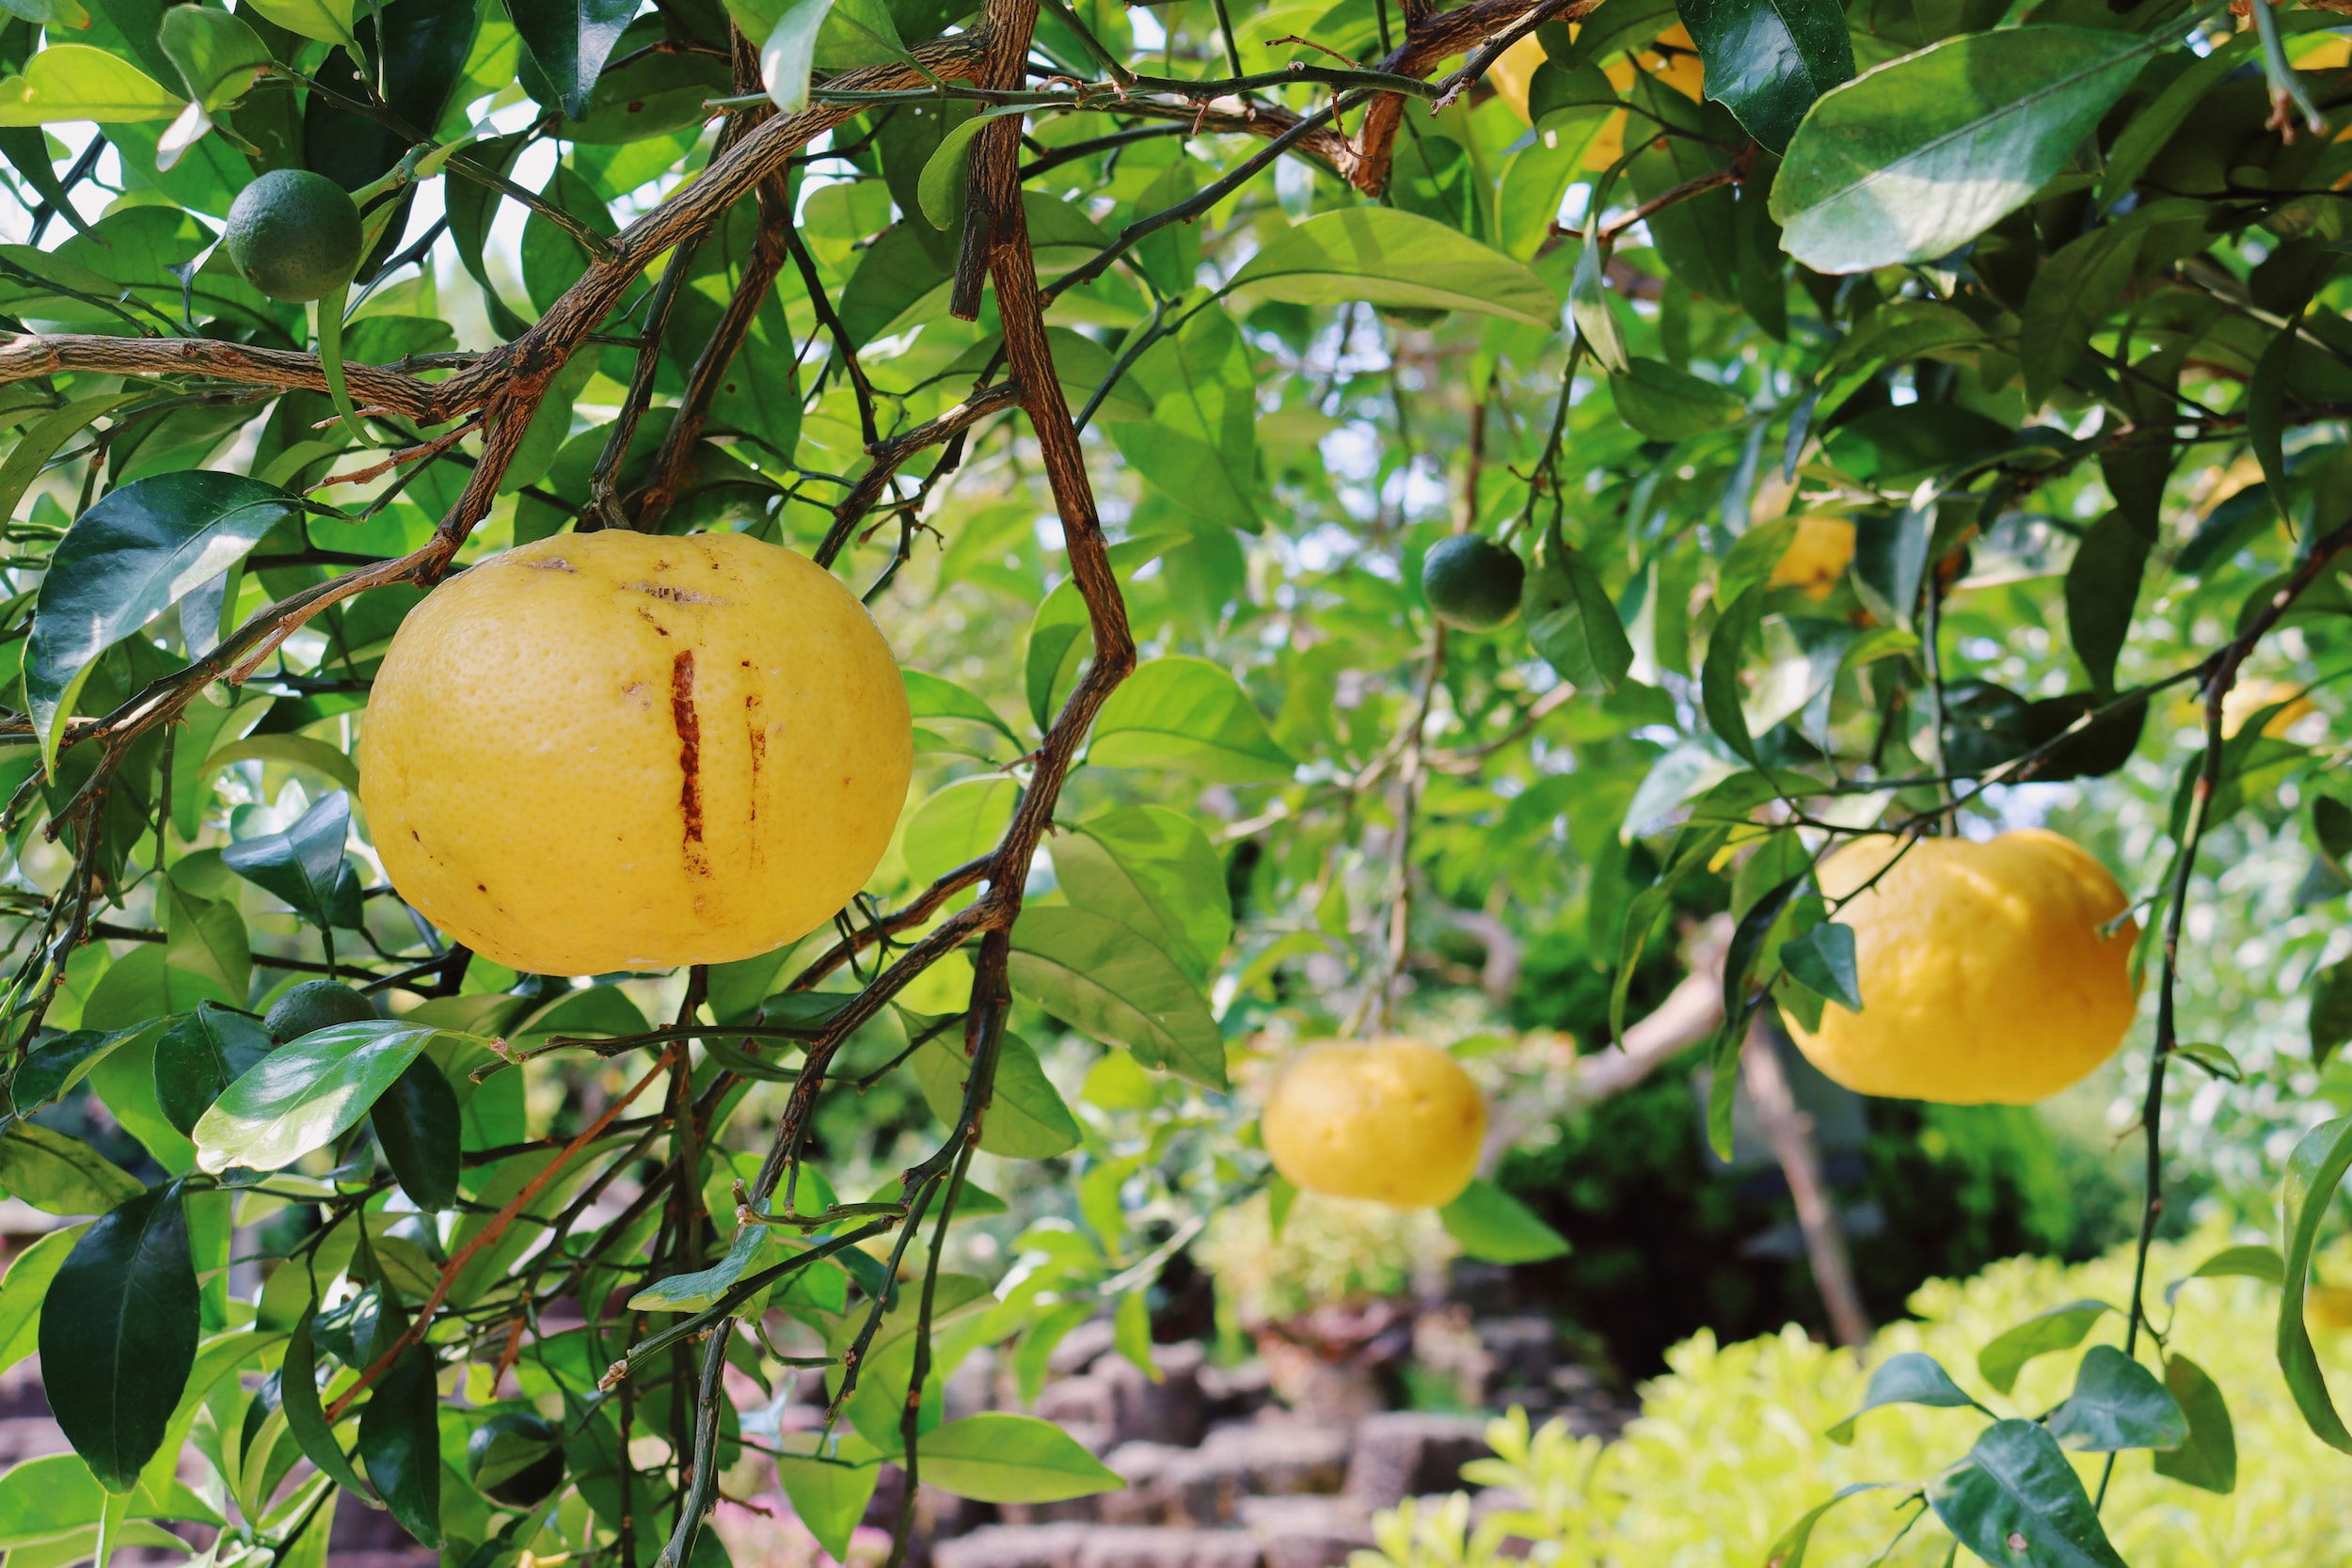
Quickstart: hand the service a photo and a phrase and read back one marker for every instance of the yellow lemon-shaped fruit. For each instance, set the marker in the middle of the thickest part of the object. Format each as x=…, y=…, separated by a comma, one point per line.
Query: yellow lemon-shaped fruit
x=620, y=751
x=1984, y=976
x=1514, y=72
x=2327, y=1306
x=1392, y=1120
x=1818, y=555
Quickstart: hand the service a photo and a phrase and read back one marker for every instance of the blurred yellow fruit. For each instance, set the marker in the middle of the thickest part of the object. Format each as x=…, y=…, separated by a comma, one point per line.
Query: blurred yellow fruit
x=1818, y=555
x=2327, y=1306
x=1392, y=1120
x=1673, y=59
x=620, y=751
x=1984, y=973
x=1515, y=71
x=2249, y=696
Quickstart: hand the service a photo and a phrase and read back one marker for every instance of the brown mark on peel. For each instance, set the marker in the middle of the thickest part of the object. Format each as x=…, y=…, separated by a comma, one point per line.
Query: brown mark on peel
x=674, y=595
x=690, y=759
x=551, y=563
x=758, y=740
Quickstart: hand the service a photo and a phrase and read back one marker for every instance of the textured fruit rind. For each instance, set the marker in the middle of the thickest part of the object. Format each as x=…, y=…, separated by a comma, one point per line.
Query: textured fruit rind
x=618, y=751
x=294, y=235
x=1393, y=1120
x=1984, y=974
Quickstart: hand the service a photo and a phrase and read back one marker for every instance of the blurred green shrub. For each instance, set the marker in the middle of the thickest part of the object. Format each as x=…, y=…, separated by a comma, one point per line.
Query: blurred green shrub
x=1329, y=1252
x=1728, y=1449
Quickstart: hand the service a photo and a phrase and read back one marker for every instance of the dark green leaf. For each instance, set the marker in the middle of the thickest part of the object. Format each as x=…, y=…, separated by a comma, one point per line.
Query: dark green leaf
x=2017, y=1503
x=2071, y=295
x=134, y=553
x=2209, y=1458
x=1912, y=160
x=1720, y=692
x=2314, y=1171
x=52, y=1069
x=418, y=1123
x=1767, y=60
x=2331, y=1009
x=1822, y=960
x=2117, y=1403
x=2102, y=591
x=118, y=1334
x=569, y=40
x=1106, y=979
x=1495, y=1228
x=305, y=1094
x=1669, y=404
x=298, y=1397
x=400, y=1443
x=1572, y=621
x=201, y=1055
x=303, y=866
x=2060, y=1328
x=1907, y=1378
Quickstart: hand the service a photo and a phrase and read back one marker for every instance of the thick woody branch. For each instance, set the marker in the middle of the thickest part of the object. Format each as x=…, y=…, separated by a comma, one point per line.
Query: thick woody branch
x=30, y=355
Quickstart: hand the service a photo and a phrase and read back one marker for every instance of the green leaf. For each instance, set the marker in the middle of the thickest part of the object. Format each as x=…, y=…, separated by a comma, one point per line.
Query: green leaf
x=1721, y=693
x=1767, y=60
x=2071, y=294
x=1109, y=981
x=1190, y=716
x=2209, y=1459
x=2235, y=1263
x=569, y=40
x=788, y=52
x=1026, y=1118
x=303, y=866
x=2017, y=1503
x=1669, y=404
x=1154, y=870
x=400, y=1443
x=2331, y=1009
x=68, y=82
x=1915, y=158
x=940, y=187
x=38, y=441
x=298, y=1397
x=134, y=553
x=299, y=751
x=52, y=1069
x=1199, y=446
x=931, y=696
x=201, y=1054
x=218, y=54
x=2117, y=1403
x=1788, y=1549
x=2102, y=591
x=305, y=1094
x=995, y=1457
x=118, y=1334
x=23, y=1287
x=1908, y=1378
x=1383, y=256
x=1572, y=621
x=700, y=1290
x=2314, y=1171
x=1495, y=1228
x=1822, y=960
x=419, y=1125
x=2060, y=1328
x=58, y=1173
x=1060, y=637
x=205, y=938
x=829, y=1491
x=327, y=21
x=959, y=822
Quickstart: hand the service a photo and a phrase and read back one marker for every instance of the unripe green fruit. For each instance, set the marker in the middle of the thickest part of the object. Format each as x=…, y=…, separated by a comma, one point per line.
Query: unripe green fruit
x=294, y=235
x=1472, y=583
x=515, y=1458
x=313, y=1006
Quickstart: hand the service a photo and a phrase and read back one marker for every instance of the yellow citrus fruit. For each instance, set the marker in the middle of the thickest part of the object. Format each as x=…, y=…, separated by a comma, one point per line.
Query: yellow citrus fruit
x=1984, y=973
x=2249, y=696
x=2327, y=1306
x=619, y=751
x=1515, y=71
x=1393, y=1120
x=1818, y=555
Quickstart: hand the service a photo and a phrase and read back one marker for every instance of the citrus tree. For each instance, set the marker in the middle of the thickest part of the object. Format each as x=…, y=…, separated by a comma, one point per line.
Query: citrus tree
x=1335, y=477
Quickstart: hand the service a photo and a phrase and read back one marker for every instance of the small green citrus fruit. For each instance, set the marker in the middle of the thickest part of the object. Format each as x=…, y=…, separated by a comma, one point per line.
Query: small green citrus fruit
x=294, y=235
x=313, y=1006
x=1473, y=583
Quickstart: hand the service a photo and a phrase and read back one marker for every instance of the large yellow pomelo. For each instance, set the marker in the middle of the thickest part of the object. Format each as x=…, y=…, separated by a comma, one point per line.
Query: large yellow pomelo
x=1818, y=555
x=1393, y=1120
x=619, y=751
x=1983, y=973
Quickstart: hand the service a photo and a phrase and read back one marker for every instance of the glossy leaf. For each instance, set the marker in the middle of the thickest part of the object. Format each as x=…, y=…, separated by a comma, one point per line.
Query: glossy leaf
x=119, y=1332
x=1383, y=256
x=1822, y=960
x=218, y=54
x=305, y=1420
x=60, y=1175
x=418, y=1124
x=124, y=561
x=75, y=82
x=400, y=1443
x=1187, y=715
x=305, y=1094
x=2330, y=1017
x=52, y=1068
x=1495, y=1228
x=700, y=1289
x=1907, y=1377
x=569, y=40
x=1767, y=60
x=1026, y=1118
x=2017, y=1503
x=327, y=21
x=2061, y=1329
x=1915, y=158
x=2117, y=1403
x=2314, y=1171
x=23, y=1287
x=996, y=1457
x=201, y=1054
x=1103, y=978
x=304, y=864
x=1721, y=694
x=2102, y=590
